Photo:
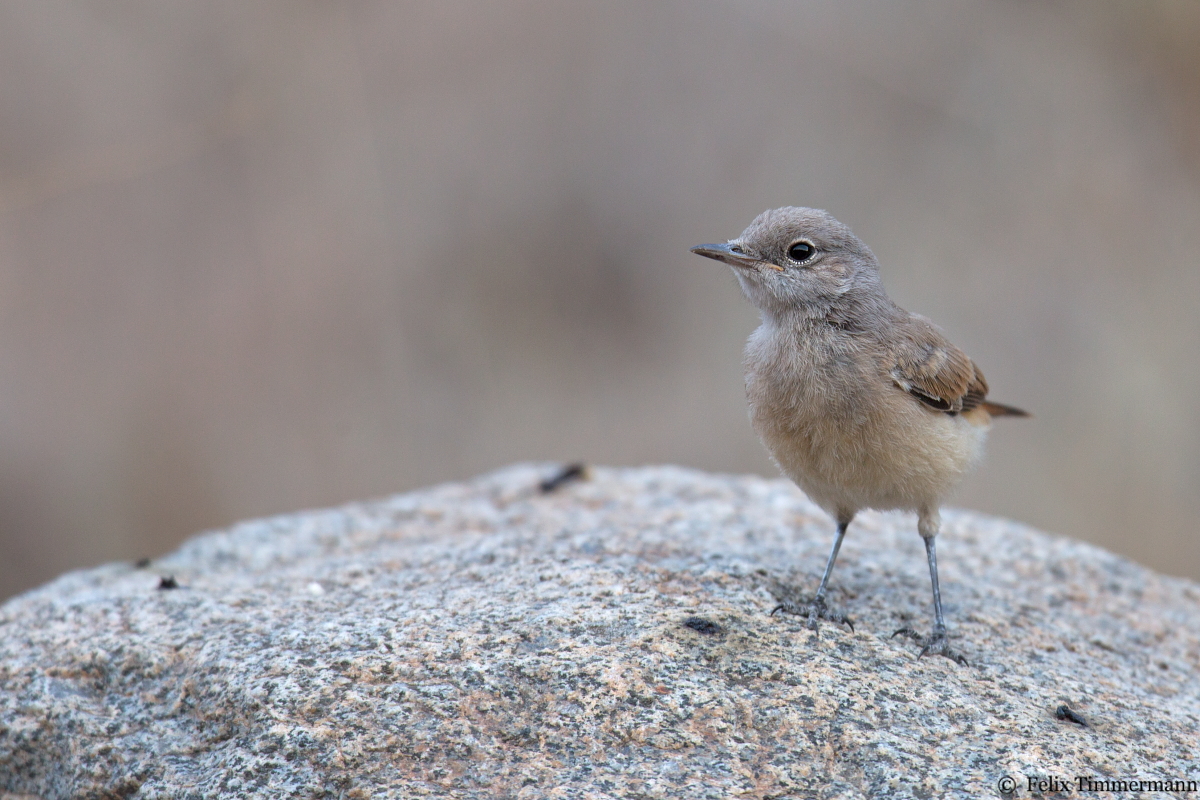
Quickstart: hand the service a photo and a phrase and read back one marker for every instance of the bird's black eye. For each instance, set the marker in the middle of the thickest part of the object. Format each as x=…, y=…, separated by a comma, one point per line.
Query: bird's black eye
x=801, y=251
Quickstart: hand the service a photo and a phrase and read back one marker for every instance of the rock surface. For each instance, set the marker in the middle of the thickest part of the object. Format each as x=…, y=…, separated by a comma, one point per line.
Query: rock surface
x=611, y=639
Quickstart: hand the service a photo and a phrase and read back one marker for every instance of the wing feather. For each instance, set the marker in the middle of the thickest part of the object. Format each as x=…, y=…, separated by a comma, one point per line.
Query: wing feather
x=934, y=371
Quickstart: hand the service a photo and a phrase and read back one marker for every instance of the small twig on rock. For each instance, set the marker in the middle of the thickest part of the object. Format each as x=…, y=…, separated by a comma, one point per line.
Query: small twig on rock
x=569, y=473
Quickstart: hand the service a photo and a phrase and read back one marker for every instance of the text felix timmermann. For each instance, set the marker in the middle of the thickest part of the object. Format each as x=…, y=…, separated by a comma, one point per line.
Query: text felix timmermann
x=1084, y=783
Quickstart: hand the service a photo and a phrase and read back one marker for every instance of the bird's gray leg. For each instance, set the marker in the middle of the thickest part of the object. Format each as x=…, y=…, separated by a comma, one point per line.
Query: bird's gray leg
x=939, y=621
x=817, y=610
x=938, y=642
x=833, y=554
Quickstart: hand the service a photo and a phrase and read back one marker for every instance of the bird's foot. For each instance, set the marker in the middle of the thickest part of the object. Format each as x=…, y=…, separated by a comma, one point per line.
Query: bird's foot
x=936, y=644
x=815, y=612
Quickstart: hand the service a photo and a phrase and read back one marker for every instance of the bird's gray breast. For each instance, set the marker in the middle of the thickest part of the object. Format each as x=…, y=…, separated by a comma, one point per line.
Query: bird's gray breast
x=811, y=374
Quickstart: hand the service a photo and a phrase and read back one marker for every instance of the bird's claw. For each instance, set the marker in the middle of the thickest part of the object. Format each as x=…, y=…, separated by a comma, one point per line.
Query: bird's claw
x=815, y=612
x=936, y=644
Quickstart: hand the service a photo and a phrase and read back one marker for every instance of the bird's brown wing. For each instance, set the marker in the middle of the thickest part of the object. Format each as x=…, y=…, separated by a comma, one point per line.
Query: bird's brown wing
x=934, y=371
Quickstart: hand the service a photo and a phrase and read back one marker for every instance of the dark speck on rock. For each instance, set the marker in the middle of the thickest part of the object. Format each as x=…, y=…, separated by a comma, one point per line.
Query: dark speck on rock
x=569, y=473
x=1066, y=714
x=168, y=582
x=705, y=627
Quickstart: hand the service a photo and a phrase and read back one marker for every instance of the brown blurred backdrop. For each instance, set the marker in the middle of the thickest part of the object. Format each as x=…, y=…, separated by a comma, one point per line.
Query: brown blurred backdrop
x=258, y=256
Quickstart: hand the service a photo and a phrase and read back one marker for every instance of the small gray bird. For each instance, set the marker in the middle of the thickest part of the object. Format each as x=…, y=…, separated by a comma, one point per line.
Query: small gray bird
x=861, y=403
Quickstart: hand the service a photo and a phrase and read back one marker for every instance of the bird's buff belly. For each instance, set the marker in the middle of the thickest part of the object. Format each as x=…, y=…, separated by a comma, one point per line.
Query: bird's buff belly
x=852, y=464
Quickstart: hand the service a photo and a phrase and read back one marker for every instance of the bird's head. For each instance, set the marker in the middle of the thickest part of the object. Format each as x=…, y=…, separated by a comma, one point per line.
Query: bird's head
x=797, y=260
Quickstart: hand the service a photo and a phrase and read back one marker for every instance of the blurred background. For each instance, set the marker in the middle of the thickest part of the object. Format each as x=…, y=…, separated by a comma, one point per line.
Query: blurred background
x=257, y=256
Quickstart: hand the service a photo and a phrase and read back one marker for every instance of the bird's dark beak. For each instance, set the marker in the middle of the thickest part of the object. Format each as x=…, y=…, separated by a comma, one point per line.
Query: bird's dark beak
x=727, y=253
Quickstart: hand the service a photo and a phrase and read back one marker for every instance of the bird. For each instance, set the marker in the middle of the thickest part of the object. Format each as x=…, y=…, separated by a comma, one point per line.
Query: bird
x=859, y=402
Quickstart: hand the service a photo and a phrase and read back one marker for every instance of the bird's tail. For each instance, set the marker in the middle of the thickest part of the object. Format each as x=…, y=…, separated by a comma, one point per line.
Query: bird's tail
x=1001, y=410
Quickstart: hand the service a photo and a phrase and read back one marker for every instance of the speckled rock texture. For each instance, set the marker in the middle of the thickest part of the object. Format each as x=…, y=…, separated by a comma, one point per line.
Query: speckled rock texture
x=610, y=639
